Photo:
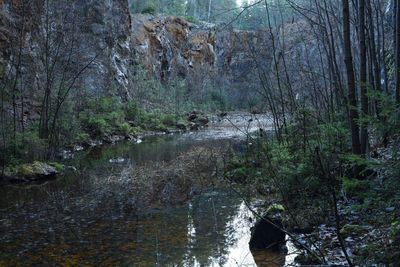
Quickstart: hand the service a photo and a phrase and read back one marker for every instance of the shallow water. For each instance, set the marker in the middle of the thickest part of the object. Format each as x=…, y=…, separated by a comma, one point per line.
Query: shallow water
x=87, y=217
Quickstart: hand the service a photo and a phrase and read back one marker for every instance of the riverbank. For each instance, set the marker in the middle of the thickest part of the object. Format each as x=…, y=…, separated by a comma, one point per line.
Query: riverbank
x=337, y=218
x=132, y=132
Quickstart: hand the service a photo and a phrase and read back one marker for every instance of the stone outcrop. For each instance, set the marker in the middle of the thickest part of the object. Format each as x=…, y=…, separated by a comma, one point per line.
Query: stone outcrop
x=171, y=47
x=78, y=32
x=108, y=43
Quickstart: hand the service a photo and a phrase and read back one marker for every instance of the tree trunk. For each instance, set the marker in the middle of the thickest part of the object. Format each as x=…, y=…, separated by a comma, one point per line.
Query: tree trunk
x=363, y=76
x=397, y=49
x=353, y=113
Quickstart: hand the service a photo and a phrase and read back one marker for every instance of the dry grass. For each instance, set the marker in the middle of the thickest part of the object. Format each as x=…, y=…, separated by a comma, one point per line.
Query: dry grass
x=176, y=181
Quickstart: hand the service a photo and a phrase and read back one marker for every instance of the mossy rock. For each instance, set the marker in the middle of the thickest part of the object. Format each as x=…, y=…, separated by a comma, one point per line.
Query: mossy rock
x=275, y=208
x=58, y=166
x=33, y=171
x=352, y=230
x=37, y=168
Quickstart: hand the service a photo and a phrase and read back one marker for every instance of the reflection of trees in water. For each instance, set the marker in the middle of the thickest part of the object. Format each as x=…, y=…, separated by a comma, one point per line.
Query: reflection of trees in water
x=160, y=239
x=92, y=215
x=123, y=237
x=211, y=217
x=200, y=233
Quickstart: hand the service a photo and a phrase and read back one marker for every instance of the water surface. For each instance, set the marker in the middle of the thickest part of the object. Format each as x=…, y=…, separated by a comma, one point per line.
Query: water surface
x=89, y=217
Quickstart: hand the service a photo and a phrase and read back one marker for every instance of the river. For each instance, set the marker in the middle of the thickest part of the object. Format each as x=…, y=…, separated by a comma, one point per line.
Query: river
x=89, y=217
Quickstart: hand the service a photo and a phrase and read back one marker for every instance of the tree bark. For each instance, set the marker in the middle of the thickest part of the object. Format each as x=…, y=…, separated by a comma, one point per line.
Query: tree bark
x=363, y=76
x=352, y=102
x=397, y=49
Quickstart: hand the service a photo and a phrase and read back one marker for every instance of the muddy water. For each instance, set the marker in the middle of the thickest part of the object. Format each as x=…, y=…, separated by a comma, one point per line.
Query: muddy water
x=88, y=217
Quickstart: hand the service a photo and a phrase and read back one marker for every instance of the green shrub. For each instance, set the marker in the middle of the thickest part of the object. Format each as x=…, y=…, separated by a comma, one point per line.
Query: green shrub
x=102, y=116
x=114, y=118
x=132, y=112
x=354, y=187
x=219, y=98
x=125, y=129
x=29, y=146
x=152, y=122
x=168, y=120
x=95, y=125
x=136, y=130
x=191, y=19
x=81, y=137
x=238, y=171
x=104, y=104
x=150, y=8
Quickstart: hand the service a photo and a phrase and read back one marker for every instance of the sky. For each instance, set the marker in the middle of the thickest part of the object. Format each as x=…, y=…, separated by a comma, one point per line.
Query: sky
x=240, y=2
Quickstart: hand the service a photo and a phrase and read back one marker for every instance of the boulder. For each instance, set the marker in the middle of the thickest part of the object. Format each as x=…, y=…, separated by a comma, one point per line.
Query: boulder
x=113, y=138
x=181, y=126
x=193, y=126
x=197, y=120
x=33, y=172
x=192, y=116
x=267, y=234
x=202, y=121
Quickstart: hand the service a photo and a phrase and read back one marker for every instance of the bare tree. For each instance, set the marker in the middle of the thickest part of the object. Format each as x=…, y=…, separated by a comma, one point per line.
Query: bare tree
x=351, y=83
x=363, y=74
x=397, y=50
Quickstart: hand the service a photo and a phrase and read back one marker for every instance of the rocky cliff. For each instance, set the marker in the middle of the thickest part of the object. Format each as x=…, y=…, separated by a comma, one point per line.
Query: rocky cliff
x=171, y=47
x=97, y=44
x=60, y=39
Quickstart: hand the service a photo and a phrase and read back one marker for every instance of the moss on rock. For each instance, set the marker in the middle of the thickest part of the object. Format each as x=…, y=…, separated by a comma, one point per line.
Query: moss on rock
x=33, y=171
x=352, y=230
x=275, y=208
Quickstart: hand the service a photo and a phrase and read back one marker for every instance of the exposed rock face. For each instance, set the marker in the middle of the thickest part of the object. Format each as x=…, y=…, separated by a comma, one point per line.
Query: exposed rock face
x=97, y=44
x=171, y=47
x=78, y=32
x=160, y=44
x=106, y=30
